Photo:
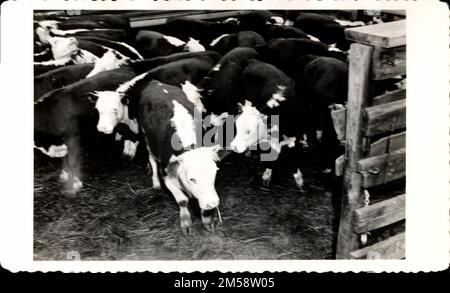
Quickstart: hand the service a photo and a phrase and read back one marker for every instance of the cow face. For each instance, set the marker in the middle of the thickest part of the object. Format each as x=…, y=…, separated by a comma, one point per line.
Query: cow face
x=110, y=108
x=63, y=47
x=109, y=61
x=250, y=128
x=196, y=171
x=193, y=45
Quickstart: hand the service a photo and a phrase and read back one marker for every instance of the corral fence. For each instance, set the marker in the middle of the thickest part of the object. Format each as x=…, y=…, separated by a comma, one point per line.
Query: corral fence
x=375, y=132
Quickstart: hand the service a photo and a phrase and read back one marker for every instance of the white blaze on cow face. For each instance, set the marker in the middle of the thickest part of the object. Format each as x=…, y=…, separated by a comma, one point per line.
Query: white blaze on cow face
x=277, y=97
x=288, y=23
x=174, y=41
x=197, y=171
x=183, y=123
x=216, y=67
x=194, y=45
x=250, y=129
x=54, y=151
x=110, y=110
x=63, y=47
x=216, y=40
x=109, y=61
x=192, y=94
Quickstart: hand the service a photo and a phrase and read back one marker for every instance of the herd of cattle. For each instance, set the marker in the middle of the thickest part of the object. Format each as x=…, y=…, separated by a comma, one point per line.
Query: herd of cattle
x=152, y=89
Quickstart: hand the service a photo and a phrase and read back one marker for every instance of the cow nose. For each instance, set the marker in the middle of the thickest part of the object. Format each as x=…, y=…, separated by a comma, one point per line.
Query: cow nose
x=212, y=205
x=104, y=129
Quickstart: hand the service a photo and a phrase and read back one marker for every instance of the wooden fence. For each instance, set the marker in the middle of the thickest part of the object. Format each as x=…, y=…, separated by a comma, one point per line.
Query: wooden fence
x=374, y=141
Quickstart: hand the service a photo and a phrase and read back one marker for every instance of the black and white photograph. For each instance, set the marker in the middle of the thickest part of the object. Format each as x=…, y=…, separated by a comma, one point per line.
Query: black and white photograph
x=239, y=134
x=258, y=101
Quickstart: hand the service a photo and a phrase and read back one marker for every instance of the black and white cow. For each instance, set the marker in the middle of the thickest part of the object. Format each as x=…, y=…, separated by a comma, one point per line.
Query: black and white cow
x=141, y=66
x=60, y=77
x=268, y=94
x=153, y=44
x=68, y=51
x=325, y=84
x=220, y=88
x=323, y=27
x=63, y=115
x=120, y=106
x=226, y=43
x=287, y=54
x=204, y=31
x=187, y=168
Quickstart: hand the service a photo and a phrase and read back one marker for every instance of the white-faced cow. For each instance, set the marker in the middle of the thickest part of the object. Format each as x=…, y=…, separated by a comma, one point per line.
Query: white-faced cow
x=63, y=115
x=269, y=94
x=153, y=44
x=168, y=122
x=121, y=105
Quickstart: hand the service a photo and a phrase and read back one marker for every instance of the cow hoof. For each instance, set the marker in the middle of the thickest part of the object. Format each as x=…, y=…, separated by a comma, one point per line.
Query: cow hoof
x=186, y=226
x=248, y=153
x=63, y=176
x=156, y=186
x=208, y=223
x=209, y=227
x=266, y=183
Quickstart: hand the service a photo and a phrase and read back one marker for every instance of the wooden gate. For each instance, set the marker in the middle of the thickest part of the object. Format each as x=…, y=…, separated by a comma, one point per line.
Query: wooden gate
x=375, y=140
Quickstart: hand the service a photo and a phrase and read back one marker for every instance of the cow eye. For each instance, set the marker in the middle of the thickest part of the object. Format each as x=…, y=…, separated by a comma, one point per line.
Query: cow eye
x=247, y=132
x=193, y=180
x=116, y=110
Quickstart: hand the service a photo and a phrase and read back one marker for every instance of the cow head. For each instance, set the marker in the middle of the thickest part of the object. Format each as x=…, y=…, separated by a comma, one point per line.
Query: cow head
x=110, y=60
x=250, y=128
x=111, y=108
x=63, y=47
x=196, y=173
x=193, y=45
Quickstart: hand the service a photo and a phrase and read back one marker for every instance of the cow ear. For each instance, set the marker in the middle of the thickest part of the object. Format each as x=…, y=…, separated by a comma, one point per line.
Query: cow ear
x=240, y=107
x=248, y=103
x=125, y=99
x=172, y=167
x=92, y=97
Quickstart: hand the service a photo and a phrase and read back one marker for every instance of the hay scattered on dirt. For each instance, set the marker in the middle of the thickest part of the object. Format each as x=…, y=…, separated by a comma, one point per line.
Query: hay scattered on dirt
x=117, y=215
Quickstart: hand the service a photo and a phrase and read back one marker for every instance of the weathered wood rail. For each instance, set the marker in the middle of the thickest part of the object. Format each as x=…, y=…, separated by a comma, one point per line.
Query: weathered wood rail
x=374, y=140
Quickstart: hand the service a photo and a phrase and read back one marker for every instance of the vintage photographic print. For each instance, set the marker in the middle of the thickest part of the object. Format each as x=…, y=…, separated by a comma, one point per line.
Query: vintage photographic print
x=228, y=134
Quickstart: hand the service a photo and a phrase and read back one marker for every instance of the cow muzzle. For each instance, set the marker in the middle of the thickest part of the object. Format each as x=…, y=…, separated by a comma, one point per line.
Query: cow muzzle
x=209, y=205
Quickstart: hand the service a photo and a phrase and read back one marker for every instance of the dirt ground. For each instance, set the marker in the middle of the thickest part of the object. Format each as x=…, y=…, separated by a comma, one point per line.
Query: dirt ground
x=118, y=216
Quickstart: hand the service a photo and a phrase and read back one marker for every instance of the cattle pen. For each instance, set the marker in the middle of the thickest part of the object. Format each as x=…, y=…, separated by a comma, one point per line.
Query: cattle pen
x=117, y=215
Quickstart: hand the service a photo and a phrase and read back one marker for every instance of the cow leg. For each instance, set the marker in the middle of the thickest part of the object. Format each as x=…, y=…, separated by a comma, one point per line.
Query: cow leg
x=182, y=201
x=129, y=149
x=298, y=177
x=71, y=167
x=266, y=177
x=155, y=179
x=208, y=217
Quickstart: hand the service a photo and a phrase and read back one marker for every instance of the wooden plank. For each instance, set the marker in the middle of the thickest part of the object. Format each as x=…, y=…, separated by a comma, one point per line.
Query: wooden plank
x=396, y=95
x=386, y=35
x=384, y=118
x=395, y=12
x=387, y=144
x=162, y=19
x=388, y=63
x=380, y=214
x=382, y=169
x=339, y=121
x=339, y=166
x=358, y=93
x=391, y=248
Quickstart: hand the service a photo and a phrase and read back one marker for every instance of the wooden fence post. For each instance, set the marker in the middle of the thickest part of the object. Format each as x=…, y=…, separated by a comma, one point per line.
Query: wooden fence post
x=358, y=94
